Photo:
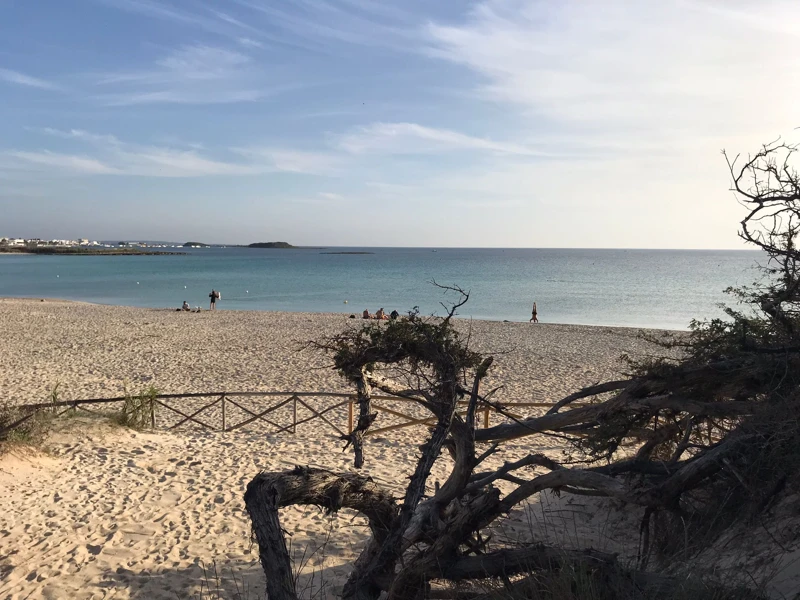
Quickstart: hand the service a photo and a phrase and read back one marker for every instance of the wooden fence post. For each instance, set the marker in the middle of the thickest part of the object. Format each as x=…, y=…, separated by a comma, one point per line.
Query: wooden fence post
x=224, y=424
x=152, y=413
x=486, y=418
x=294, y=416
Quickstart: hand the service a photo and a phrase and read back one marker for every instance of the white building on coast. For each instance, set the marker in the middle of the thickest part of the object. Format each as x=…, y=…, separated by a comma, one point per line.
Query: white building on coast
x=20, y=242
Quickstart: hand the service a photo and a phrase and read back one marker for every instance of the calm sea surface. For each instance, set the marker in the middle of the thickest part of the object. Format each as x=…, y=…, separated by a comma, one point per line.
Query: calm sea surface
x=643, y=288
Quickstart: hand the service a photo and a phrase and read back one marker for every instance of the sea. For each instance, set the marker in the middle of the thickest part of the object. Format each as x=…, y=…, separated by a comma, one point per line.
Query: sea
x=635, y=288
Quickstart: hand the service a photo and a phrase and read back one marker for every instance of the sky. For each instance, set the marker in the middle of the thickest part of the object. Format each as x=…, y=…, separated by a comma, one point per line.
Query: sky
x=496, y=123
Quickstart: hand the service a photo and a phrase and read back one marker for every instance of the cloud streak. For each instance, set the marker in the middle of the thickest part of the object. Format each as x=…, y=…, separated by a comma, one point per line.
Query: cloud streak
x=65, y=162
x=192, y=74
x=166, y=12
x=250, y=43
x=618, y=67
x=320, y=22
x=111, y=156
x=210, y=22
x=412, y=138
x=18, y=78
x=291, y=161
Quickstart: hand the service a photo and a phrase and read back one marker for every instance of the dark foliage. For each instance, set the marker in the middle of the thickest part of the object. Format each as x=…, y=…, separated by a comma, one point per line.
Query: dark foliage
x=420, y=344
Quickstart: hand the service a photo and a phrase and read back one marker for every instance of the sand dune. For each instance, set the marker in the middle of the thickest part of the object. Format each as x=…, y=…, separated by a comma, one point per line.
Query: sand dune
x=115, y=513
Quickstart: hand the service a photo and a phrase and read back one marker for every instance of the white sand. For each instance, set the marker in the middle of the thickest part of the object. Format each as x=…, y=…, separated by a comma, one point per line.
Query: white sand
x=93, y=351
x=112, y=512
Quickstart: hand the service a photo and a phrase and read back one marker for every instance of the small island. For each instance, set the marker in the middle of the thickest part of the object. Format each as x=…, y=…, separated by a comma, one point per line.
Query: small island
x=196, y=245
x=270, y=245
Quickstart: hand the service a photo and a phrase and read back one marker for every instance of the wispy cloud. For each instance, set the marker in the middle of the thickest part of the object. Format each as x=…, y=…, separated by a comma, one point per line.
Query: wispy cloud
x=249, y=43
x=226, y=18
x=193, y=63
x=67, y=162
x=411, y=138
x=195, y=74
x=183, y=97
x=303, y=23
x=111, y=156
x=320, y=21
x=209, y=20
x=18, y=78
x=165, y=11
x=616, y=67
x=79, y=134
x=292, y=161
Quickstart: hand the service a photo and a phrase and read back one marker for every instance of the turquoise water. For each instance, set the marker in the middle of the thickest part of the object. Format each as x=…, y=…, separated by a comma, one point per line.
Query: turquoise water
x=642, y=288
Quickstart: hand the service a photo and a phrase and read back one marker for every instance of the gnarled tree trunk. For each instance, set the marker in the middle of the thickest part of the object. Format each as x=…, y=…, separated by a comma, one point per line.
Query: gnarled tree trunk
x=268, y=492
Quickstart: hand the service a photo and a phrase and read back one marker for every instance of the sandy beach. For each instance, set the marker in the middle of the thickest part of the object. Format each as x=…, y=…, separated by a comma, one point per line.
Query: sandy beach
x=95, y=351
x=109, y=512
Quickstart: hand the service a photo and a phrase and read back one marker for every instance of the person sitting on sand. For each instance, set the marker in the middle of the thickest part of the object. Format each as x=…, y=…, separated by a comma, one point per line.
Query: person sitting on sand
x=381, y=315
x=366, y=314
x=393, y=315
x=186, y=306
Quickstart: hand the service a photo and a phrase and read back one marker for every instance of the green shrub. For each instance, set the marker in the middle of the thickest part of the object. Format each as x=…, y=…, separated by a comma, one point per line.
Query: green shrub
x=137, y=410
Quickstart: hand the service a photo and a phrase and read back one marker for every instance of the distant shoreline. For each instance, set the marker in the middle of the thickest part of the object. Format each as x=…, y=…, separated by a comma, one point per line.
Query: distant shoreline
x=49, y=250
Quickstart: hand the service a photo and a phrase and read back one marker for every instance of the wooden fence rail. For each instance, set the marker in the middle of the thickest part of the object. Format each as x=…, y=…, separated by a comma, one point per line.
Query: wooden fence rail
x=226, y=406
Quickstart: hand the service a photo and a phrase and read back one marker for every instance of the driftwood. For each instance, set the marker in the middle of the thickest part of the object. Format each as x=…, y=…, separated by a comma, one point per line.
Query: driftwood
x=365, y=418
x=438, y=536
x=443, y=536
x=269, y=492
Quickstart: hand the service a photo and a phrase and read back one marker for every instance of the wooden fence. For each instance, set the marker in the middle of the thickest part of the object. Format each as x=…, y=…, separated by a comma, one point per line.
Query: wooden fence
x=284, y=411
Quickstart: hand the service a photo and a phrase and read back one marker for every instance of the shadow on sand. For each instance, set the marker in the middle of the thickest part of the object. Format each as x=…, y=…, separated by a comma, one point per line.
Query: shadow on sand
x=228, y=579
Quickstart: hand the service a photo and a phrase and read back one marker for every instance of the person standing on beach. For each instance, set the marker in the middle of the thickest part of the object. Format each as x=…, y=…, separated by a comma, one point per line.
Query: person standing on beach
x=534, y=315
x=214, y=295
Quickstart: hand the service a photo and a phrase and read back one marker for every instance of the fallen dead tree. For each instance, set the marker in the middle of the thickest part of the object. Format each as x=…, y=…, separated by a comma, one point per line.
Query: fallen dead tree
x=443, y=535
x=701, y=440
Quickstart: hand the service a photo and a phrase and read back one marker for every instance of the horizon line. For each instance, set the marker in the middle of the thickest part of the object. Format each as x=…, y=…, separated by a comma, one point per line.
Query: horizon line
x=325, y=246
x=421, y=247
